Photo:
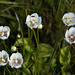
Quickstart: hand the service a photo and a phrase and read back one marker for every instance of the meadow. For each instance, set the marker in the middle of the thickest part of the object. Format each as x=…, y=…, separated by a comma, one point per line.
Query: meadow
x=44, y=50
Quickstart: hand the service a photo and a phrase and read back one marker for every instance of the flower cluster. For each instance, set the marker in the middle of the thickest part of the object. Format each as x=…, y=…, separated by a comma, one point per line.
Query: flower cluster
x=69, y=20
x=15, y=60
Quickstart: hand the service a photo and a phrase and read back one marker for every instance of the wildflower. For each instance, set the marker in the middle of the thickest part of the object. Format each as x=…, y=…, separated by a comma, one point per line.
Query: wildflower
x=33, y=20
x=4, y=32
x=40, y=26
x=16, y=60
x=13, y=48
x=69, y=19
x=4, y=57
x=70, y=35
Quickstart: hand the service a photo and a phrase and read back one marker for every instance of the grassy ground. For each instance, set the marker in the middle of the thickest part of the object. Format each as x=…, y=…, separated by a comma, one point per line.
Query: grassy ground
x=45, y=59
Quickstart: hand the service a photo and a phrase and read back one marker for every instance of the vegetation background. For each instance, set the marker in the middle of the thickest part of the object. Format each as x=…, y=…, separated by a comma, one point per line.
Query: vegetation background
x=51, y=37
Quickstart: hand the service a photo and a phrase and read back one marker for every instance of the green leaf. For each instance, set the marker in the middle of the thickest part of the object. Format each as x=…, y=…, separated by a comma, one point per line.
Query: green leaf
x=8, y=16
x=26, y=72
x=28, y=48
x=45, y=50
x=19, y=42
x=54, y=62
x=65, y=56
x=7, y=2
x=26, y=60
x=33, y=69
x=32, y=44
x=64, y=70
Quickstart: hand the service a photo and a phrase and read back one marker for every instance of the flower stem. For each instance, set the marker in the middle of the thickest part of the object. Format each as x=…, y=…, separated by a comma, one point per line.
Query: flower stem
x=6, y=48
x=73, y=46
x=38, y=35
x=4, y=71
x=8, y=70
x=37, y=52
x=22, y=40
x=29, y=37
x=35, y=37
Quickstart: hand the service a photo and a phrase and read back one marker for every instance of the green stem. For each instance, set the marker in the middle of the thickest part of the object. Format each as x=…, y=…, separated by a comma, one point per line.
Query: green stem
x=58, y=7
x=38, y=35
x=29, y=37
x=6, y=48
x=73, y=46
x=37, y=52
x=35, y=65
x=35, y=37
x=22, y=40
x=4, y=71
x=29, y=34
x=8, y=70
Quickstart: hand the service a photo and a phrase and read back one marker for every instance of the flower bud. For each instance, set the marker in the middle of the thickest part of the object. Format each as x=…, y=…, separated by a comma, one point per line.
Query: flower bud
x=13, y=48
x=18, y=36
x=40, y=26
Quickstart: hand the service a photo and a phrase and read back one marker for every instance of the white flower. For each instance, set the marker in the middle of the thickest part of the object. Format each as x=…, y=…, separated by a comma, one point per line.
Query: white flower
x=13, y=48
x=70, y=35
x=16, y=60
x=69, y=19
x=33, y=20
x=40, y=26
x=4, y=32
x=4, y=57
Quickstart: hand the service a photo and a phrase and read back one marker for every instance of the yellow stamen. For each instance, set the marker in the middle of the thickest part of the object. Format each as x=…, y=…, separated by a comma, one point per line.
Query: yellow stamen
x=65, y=17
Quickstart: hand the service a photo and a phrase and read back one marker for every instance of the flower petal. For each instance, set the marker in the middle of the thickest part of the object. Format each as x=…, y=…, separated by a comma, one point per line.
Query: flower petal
x=28, y=18
x=39, y=22
x=66, y=34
